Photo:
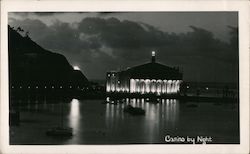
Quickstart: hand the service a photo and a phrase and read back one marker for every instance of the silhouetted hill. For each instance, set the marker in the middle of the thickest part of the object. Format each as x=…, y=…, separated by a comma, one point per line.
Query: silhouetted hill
x=23, y=44
x=31, y=65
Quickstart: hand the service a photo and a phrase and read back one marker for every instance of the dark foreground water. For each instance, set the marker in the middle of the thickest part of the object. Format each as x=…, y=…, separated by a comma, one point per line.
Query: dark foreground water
x=94, y=122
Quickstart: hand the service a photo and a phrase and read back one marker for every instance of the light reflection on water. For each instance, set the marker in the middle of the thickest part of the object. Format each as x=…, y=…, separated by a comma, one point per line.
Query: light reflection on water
x=95, y=122
x=163, y=115
x=74, y=115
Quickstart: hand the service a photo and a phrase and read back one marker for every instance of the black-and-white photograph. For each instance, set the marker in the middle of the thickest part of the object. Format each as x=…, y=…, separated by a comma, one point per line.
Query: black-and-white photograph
x=98, y=78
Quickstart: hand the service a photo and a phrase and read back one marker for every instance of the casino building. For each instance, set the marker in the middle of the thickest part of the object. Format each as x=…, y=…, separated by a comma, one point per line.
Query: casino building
x=149, y=78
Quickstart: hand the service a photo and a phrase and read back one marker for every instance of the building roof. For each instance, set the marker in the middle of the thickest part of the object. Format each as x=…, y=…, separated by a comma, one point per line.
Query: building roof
x=154, y=70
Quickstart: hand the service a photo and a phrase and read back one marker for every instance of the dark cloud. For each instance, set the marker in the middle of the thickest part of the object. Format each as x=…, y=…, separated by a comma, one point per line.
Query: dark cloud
x=122, y=34
x=44, y=13
x=25, y=14
x=100, y=45
x=107, y=13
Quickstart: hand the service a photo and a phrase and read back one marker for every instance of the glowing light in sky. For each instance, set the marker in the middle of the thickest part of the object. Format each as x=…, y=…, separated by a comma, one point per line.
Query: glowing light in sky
x=76, y=68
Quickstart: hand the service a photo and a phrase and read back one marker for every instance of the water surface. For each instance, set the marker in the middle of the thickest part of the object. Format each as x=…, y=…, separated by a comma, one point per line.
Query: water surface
x=95, y=122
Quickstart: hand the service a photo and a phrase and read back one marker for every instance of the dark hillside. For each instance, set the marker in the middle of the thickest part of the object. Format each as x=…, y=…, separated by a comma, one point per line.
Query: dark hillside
x=32, y=66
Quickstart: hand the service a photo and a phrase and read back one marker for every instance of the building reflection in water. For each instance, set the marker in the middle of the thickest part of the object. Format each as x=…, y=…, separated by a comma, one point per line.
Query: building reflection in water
x=114, y=115
x=158, y=116
x=74, y=115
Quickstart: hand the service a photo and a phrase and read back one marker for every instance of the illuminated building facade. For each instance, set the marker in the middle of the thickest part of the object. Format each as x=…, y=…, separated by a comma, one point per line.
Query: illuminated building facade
x=148, y=78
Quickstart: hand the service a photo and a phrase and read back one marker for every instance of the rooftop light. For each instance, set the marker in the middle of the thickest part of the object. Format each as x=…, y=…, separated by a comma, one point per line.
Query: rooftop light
x=153, y=53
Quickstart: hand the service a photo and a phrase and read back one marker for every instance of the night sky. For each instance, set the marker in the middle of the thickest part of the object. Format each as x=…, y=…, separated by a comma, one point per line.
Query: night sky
x=202, y=44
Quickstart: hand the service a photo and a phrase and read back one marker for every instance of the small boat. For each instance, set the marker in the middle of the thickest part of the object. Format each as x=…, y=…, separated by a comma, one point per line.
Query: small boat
x=60, y=131
x=110, y=102
x=134, y=110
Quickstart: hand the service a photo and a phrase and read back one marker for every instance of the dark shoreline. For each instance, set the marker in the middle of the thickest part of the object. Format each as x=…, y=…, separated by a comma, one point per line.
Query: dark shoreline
x=120, y=96
x=153, y=97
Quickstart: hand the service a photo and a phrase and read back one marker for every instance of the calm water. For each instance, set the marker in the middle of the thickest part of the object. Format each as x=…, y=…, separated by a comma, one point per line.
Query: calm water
x=94, y=122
